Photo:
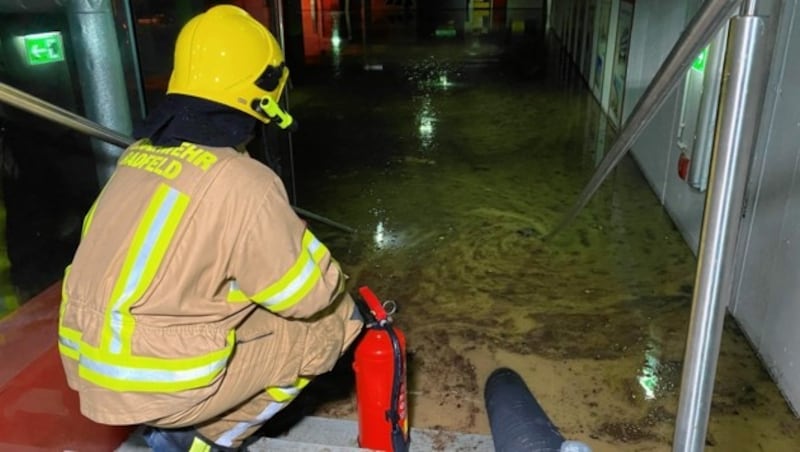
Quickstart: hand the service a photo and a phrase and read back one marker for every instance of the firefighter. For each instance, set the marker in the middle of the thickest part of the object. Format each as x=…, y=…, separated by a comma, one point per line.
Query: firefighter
x=197, y=302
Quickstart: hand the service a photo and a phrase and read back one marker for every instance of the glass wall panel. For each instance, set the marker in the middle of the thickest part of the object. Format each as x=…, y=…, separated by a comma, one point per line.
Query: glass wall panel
x=604, y=12
x=587, y=51
x=51, y=174
x=623, y=45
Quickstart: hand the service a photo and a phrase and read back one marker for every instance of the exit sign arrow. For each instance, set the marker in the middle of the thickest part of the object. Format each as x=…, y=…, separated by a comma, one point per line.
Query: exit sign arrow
x=44, y=48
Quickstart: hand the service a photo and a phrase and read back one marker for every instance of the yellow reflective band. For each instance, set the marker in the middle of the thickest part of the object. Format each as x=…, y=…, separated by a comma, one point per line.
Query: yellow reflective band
x=69, y=342
x=227, y=438
x=124, y=379
x=299, y=289
x=68, y=338
x=317, y=249
x=148, y=247
x=87, y=220
x=283, y=394
x=280, y=395
x=63, y=305
x=145, y=374
x=298, y=281
x=198, y=445
x=235, y=294
x=67, y=351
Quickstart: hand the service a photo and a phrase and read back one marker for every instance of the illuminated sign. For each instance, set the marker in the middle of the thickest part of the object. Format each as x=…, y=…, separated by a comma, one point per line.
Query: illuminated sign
x=44, y=48
x=445, y=32
x=699, y=63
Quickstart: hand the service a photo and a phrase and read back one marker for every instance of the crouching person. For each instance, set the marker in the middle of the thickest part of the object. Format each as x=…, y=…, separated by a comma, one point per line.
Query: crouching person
x=197, y=302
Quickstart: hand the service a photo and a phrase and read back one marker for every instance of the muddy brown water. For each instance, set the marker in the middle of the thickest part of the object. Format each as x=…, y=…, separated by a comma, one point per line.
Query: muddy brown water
x=452, y=161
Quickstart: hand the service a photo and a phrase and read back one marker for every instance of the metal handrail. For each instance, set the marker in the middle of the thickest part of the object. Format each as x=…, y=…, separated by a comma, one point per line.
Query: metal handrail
x=736, y=130
x=32, y=104
x=712, y=15
x=741, y=104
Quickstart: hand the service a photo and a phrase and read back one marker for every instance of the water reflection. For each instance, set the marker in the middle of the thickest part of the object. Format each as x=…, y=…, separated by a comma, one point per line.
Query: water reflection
x=444, y=82
x=385, y=237
x=380, y=236
x=433, y=76
x=648, y=378
x=426, y=119
x=336, y=45
x=596, y=318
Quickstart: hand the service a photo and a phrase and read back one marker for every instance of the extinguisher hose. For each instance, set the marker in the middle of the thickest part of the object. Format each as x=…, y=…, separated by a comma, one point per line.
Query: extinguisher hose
x=399, y=440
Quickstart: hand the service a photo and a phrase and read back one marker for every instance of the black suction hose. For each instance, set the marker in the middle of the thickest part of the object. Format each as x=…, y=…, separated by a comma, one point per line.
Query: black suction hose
x=517, y=421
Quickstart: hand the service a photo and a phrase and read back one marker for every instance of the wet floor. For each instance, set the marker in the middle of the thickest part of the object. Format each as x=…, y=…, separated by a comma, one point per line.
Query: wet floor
x=452, y=156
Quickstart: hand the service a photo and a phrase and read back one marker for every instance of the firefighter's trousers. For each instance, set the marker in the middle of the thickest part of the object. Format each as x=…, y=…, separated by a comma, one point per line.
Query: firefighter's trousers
x=274, y=359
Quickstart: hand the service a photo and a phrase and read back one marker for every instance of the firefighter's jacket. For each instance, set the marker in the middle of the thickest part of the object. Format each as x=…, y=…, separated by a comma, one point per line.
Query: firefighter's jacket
x=180, y=246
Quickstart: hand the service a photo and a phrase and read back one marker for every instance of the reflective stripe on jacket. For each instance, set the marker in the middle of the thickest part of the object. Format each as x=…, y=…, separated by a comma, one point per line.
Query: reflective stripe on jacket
x=180, y=246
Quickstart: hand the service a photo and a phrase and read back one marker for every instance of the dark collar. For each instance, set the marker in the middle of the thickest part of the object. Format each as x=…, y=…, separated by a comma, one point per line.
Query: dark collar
x=190, y=119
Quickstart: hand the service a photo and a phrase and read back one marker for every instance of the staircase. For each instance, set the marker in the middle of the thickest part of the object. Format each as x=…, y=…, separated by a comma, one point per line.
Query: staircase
x=318, y=434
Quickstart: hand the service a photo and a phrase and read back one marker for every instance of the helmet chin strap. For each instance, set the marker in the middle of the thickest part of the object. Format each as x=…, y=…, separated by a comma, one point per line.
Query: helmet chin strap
x=269, y=108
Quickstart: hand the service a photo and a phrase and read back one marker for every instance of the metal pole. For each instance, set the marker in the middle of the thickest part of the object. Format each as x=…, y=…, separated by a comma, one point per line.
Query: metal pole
x=748, y=8
x=744, y=89
x=364, y=32
x=102, y=77
x=347, y=20
x=547, y=15
x=595, y=38
x=277, y=20
x=711, y=16
x=36, y=106
x=134, y=49
x=609, y=59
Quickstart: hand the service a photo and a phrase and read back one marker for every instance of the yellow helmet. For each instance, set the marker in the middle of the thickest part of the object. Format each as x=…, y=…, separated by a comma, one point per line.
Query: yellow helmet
x=226, y=56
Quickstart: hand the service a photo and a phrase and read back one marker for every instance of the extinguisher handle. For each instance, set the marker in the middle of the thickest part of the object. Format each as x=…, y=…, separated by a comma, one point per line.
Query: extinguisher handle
x=373, y=303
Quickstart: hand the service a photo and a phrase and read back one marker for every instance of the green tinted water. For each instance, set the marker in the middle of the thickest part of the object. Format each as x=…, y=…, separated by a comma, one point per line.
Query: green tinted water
x=452, y=159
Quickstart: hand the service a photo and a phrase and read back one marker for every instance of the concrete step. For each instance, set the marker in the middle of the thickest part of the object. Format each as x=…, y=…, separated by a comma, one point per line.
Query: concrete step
x=318, y=434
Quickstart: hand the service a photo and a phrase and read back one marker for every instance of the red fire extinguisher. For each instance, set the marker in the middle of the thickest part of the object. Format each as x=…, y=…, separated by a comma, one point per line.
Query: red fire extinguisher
x=380, y=369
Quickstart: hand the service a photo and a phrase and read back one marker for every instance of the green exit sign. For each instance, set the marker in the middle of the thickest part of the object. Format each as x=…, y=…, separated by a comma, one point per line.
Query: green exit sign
x=44, y=48
x=699, y=63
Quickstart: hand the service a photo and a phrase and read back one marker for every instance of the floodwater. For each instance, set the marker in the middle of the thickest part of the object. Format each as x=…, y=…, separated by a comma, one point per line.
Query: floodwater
x=452, y=156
